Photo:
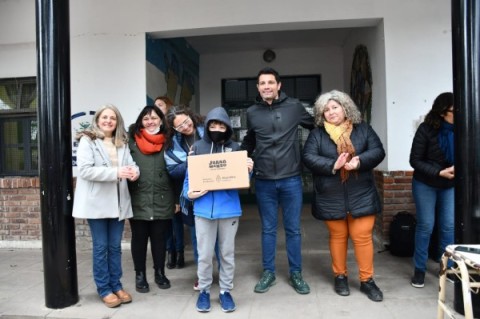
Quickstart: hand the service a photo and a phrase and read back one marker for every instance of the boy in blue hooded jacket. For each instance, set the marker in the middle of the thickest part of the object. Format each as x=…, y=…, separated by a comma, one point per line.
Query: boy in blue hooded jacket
x=216, y=215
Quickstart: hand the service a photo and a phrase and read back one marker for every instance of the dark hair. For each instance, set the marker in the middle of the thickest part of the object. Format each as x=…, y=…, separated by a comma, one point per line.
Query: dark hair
x=440, y=107
x=176, y=110
x=166, y=100
x=147, y=110
x=271, y=71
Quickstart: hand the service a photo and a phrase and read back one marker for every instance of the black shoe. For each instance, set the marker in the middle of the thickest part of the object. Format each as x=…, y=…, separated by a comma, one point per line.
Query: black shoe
x=180, y=259
x=371, y=290
x=161, y=280
x=141, y=284
x=341, y=285
x=171, y=260
x=418, y=279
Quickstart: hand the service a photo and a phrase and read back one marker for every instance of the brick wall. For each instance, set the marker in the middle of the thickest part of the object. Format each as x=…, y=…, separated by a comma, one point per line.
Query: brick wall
x=395, y=189
x=20, y=208
x=20, y=219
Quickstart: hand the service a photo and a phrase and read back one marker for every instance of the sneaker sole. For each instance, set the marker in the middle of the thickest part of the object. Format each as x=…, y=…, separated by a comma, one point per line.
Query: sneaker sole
x=343, y=293
x=227, y=310
x=266, y=289
x=418, y=285
x=203, y=310
x=298, y=291
x=373, y=298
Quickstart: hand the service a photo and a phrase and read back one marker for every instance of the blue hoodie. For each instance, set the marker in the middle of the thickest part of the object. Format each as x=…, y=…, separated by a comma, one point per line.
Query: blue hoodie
x=220, y=203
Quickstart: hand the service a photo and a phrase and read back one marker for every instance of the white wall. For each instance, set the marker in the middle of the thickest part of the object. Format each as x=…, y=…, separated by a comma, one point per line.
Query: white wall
x=373, y=39
x=418, y=65
x=108, y=69
x=214, y=67
x=108, y=62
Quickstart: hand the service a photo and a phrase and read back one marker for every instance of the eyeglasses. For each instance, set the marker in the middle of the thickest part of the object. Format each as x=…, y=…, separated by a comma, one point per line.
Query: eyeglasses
x=183, y=125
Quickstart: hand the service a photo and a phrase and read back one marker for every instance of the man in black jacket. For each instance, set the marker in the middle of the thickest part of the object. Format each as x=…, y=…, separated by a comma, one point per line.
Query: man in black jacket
x=273, y=141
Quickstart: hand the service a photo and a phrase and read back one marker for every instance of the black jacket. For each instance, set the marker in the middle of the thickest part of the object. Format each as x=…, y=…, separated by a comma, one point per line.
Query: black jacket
x=358, y=195
x=427, y=158
x=272, y=136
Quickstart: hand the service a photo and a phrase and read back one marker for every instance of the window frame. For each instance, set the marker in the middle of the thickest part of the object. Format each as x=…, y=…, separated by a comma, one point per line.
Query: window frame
x=25, y=116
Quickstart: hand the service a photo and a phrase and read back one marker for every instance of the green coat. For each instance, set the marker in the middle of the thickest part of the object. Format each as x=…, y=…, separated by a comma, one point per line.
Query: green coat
x=151, y=194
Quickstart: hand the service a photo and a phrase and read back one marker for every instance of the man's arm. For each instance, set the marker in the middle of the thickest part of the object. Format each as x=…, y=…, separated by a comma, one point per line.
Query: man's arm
x=249, y=142
x=307, y=120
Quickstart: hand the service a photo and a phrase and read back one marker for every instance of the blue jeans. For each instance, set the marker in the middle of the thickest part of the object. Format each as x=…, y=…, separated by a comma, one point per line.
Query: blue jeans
x=107, y=254
x=286, y=193
x=431, y=202
x=175, y=237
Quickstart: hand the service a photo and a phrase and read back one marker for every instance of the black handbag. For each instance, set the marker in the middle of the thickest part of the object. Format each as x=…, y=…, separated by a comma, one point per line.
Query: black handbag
x=186, y=206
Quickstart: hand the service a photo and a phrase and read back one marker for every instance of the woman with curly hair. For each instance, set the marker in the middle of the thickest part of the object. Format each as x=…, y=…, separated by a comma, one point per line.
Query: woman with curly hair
x=342, y=153
x=432, y=158
x=185, y=128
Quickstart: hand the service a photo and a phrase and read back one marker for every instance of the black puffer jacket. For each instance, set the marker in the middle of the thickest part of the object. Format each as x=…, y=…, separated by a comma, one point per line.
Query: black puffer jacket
x=427, y=158
x=358, y=195
x=272, y=138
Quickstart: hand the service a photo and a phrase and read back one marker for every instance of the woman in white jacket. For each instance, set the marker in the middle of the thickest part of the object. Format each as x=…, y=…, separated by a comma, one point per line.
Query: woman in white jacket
x=101, y=196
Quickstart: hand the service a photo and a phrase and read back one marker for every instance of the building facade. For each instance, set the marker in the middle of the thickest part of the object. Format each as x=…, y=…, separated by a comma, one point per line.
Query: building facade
x=409, y=46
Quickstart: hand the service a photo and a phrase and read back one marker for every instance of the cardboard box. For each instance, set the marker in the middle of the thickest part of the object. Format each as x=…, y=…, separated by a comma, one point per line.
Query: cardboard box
x=218, y=171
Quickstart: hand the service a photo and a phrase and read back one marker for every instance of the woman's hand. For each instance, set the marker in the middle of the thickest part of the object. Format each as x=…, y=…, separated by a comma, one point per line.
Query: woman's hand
x=448, y=173
x=353, y=164
x=195, y=194
x=341, y=160
x=249, y=164
x=129, y=172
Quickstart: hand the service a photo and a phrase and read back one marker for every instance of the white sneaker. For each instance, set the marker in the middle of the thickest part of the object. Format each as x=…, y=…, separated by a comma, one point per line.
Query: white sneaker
x=195, y=286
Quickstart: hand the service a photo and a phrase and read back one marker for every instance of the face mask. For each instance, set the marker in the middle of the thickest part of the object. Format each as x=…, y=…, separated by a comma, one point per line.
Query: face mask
x=217, y=136
x=154, y=132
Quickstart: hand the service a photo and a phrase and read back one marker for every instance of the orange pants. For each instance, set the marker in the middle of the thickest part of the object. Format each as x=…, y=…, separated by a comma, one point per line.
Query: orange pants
x=360, y=231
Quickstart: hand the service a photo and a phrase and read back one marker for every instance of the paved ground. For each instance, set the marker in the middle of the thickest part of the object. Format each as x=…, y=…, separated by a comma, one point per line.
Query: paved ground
x=22, y=288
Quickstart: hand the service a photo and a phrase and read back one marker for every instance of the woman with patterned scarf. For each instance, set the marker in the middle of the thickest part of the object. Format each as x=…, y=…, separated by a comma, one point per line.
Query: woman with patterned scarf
x=152, y=197
x=342, y=153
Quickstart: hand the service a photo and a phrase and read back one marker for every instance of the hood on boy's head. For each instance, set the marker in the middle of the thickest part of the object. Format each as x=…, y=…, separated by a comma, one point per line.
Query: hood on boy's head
x=218, y=114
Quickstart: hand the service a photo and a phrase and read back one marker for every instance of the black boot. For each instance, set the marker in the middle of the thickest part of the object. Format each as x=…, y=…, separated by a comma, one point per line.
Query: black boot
x=161, y=280
x=180, y=259
x=171, y=259
x=141, y=284
x=341, y=285
x=371, y=290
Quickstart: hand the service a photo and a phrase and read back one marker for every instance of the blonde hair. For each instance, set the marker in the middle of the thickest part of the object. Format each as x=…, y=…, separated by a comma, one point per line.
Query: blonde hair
x=120, y=136
x=351, y=110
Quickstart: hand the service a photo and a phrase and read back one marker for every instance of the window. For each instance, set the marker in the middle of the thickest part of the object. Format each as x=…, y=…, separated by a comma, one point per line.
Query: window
x=18, y=127
x=241, y=92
